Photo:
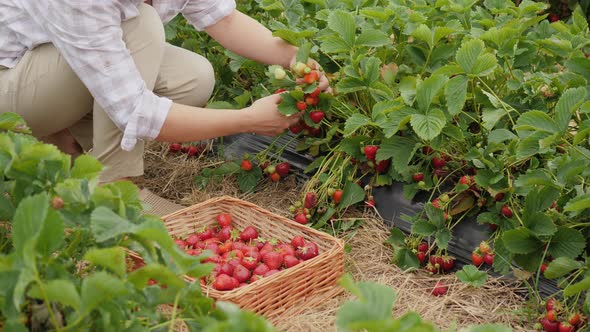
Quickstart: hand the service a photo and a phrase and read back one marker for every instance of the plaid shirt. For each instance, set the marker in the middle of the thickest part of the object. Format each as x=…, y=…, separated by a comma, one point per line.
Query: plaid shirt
x=89, y=36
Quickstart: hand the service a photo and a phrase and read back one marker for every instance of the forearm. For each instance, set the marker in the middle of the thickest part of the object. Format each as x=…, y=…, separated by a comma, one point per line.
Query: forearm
x=188, y=124
x=245, y=36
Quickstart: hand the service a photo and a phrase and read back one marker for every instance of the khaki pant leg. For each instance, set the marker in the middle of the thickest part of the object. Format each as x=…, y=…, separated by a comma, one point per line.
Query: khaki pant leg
x=44, y=90
x=144, y=37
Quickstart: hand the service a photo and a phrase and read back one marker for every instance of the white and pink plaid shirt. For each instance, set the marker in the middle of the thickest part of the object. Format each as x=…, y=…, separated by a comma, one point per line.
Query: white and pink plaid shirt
x=89, y=37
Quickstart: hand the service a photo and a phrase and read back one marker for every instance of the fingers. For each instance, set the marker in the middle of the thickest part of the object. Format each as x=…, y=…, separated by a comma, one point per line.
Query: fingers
x=324, y=83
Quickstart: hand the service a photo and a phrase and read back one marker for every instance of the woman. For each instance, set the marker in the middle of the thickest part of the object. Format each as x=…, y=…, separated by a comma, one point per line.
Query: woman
x=97, y=75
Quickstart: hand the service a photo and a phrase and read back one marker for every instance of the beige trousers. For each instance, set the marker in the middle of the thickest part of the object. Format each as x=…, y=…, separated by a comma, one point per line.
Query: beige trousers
x=44, y=90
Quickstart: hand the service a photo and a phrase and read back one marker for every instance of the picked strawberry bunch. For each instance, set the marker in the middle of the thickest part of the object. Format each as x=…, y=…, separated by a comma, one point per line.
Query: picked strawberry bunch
x=276, y=172
x=556, y=319
x=242, y=257
x=302, y=211
x=483, y=254
x=370, y=153
x=189, y=149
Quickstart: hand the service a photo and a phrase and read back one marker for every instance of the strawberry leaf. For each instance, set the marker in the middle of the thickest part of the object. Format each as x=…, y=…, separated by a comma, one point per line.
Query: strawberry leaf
x=561, y=266
x=288, y=105
x=352, y=194
x=249, y=180
x=470, y=275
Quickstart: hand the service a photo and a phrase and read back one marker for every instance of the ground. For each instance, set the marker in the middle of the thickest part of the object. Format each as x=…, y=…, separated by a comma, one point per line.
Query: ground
x=498, y=301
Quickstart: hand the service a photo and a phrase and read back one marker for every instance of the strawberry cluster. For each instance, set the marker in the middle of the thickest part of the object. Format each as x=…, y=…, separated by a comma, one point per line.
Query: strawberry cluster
x=276, y=172
x=556, y=319
x=243, y=257
x=483, y=254
x=433, y=263
x=189, y=149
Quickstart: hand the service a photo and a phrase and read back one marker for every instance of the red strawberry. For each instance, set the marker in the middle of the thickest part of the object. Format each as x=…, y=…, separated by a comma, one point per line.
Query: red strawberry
x=543, y=268
x=223, y=282
x=423, y=247
x=234, y=282
x=476, y=258
x=175, y=147
x=551, y=304
x=225, y=233
x=249, y=233
x=181, y=244
x=246, y=165
x=281, y=90
x=431, y=268
x=370, y=203
x=371, y=152
x=301, y=218
x=316, y=116
x=421, y=257
x=382, y=166
x=553, y=17
x=438, y=163
x=224, y=219
x=337, y=196
x=213, y=247
x=205, y=235
x=225, y=247
x=436, y=203
x=192, y=240
x=241, y=273
x=301, y=105
x=551, y=316
x=286, y=249
x=255, y=277
x=489, y=259
x=233, y=254
x=565, y=327
x=271, y=272
x=465, y=179
x=297, y=242
x=234, y=262
x=250, y=263
x=575, y=319
x=296, y=129
x=225, y=268
x=211, y=240
x=275, y=177
x=311, y=77
x=310, y=200
x=184, y=149
x=418, y=177
x=439, y=289
x=261, y=269
x=506, y=211
x=427, y=150
x=266, y=249
x=308, y=251
x=194, y=252
x=549, y=326
x=484, y=248
x=447, y=263
x=315, y=93
x=499, y=197
x=283, y=169
x=309, y=100
x=273, y=260
x=291, y=261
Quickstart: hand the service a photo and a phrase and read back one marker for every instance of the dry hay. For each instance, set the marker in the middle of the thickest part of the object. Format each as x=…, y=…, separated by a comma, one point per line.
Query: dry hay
x=170, y=176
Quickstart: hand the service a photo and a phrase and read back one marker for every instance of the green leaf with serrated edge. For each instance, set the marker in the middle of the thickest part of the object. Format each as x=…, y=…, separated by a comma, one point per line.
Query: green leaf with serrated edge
x=374, y=302
x=52, y=235
x=401, y=149
x=396, y=120
x=567, y=242
x=343, y=23
x=349, y=85
x=521, y=241
x=488, y=328
x=502, y=258
x=540, y=224
x=112, y=259
x=579, y=65
x=100, y=288
x=354, y=123
x=471, y=276
x=288, y=105
x=561, y=266
x=396, y=237
x=568, y=103
x=352, y=146
x=578, y=203
x=423, y=228
x=324, y=218
x=227, y=168
x=500, y=135
x=293, y=37
x=490, y=117
x=423, y=33
x=435, y=215
x=160, y=273
x=303, y=52
x=407, y=88
x=577, y=288
x=315, y=164
x=61, y=291
x=352, y=194
x=428, y=126
x=13, y=122
x=405, y=259
x=28, y=221
x=485, y=65
x=333, y=44
x=468, y=54
x=86, y=167
x=456, y=94
x=442, y=238
x=540, y=199
x=534, y=177
x=536, y=121
x=580, y=21
x=106, y=224
x=372, y=38
x=428, y=89
x=248, y=180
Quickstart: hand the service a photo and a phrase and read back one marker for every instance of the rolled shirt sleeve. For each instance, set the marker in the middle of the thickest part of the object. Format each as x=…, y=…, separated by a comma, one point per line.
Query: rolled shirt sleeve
x=204, y=13
x=89, y=36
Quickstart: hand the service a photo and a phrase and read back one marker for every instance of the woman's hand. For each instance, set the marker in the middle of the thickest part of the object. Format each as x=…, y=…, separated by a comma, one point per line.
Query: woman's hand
x=265, y=118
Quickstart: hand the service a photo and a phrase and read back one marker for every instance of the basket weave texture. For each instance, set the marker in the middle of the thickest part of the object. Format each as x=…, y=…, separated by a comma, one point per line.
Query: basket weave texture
x=303, y=283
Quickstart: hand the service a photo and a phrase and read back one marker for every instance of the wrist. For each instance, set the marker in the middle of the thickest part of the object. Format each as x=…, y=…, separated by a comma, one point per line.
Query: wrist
x=248, y=120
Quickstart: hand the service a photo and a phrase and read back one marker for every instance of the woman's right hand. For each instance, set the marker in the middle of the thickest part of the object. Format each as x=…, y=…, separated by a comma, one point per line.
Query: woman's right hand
x=265, y=118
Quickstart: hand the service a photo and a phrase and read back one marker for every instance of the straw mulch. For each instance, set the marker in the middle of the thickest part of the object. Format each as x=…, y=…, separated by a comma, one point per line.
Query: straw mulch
x=498, y=301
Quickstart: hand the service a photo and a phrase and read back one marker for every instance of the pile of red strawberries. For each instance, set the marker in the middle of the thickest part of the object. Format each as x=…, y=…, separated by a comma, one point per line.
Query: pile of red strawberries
x=189, y=149
x=555, y=318
x=242, y=257
x=434, y=263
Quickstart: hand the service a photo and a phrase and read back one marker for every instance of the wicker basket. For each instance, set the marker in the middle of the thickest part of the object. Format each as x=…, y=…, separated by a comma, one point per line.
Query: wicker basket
x=304, y=283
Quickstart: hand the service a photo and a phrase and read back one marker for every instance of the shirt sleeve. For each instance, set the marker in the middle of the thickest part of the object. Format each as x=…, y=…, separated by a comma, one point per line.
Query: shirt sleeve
x=204, y=13
x=88, y=35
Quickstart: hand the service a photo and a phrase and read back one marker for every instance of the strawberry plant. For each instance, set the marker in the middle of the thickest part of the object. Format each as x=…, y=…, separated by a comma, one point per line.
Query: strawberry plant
x=64, y=262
